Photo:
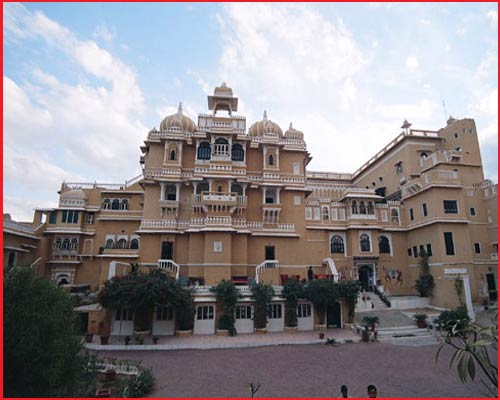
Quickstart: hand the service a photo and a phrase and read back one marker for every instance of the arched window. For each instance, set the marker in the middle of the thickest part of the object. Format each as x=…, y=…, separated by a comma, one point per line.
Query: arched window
x=337, y=244
x=115, y=205
x=134, y=244
x=237, y=153
x=65, y=244
x=270, y=160
x=364, y=242
x=394, y=215
x=271, y=196
x=202, y=187
x=124, y=204
x=221, y=141
x=383, y=245
x=221, y=147
x=204, y=151
x=362, y=207
x=121, y=244
x=58, y=243
x=219, y=189
x=171, y=192
x=423, y=155
x=354, y=207
x=326, y=214
x=172, y=155
x=74, y=244
x=109, y=244
x=237, y=188
x=106, y=204
x=370, y=209
x=62, y=280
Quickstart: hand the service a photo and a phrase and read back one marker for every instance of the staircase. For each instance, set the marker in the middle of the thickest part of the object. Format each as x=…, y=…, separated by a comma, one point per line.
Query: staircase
x=366, y=305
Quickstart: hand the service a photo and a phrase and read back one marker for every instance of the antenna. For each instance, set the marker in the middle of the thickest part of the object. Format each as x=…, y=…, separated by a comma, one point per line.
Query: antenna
x=445, y=112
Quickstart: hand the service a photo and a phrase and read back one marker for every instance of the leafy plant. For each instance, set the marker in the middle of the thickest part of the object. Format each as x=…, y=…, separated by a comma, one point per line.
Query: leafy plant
x=263, y=294
x=370, y=321
x=475, y=348
x=425, y=283
x=227, y=294
x=293, y=291
x=184, y=310
x=420, y=317
x=140, y=385
x=349, y=290
x=454, y=321
x=322, y=293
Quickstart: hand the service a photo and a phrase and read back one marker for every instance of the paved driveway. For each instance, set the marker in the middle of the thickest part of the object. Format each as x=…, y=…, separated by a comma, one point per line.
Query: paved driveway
x=304, y=371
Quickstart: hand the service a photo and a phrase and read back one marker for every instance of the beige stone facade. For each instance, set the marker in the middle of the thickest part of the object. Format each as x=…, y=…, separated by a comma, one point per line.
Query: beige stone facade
x=222, y=200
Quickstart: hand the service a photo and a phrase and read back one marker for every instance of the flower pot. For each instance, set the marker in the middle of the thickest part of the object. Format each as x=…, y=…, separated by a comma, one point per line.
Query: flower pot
x=222, y=332
x=421, y=324
x=322, y=335
x=261, y=331
x=290, y=329
x=89, y=337
x=365, y=335
x=184, y=333
x=104, y=339
x=320, y=327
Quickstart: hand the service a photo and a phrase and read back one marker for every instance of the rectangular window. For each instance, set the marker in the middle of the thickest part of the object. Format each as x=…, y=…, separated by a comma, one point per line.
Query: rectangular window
x=325, y=213
x=90, y=218
x=124, y=314
x=450, y=206
x=316, y=213
x=472, y=212
x=53, y=217
x=409, y=252
x=296, y=168
x=415, y=251
x=205, y=312
x=274, y=311
x=164, y=313
x=341, y=214
x=64, y=216
x=303, y=310
x=424, y=210
x=296, y=200
x=448, y=242
x=308, y=213
x=384, y=215
x=420, y=248
x=334, y=214
x=218, y=247
x=477, y=248
x=429, y=249
x=243, y=312
x=411, y=214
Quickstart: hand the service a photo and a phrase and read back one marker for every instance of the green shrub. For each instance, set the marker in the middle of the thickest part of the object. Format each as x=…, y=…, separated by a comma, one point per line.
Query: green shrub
x=454, y=320
x=227, y=294
x=140, y=385
x=293, y=291
x=263, y=294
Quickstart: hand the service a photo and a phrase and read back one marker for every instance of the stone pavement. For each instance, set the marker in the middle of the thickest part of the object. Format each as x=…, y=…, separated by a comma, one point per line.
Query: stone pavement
x=204, y=342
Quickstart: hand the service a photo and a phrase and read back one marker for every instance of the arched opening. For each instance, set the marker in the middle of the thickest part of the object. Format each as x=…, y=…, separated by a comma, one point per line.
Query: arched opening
x=202, y=187
x=237, y=153
x=362, y=207
x=115, y=205
x=172, y=155
x=109, y=243
x=62, y=280
x=121, y=244
x=384, y=245
x=171, y=192
x=134, y=244
x=370, y=208
x=124, y=204
x=364, y=242
x=365, y=277
x=337, y=244
x=354, y=207
x=270, y=160
x=237, y=188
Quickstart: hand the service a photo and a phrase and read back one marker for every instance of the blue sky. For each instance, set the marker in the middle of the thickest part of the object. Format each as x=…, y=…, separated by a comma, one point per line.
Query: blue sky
x=84, y=82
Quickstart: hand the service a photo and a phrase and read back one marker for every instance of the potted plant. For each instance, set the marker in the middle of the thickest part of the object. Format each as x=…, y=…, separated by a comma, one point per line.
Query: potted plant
x=263, y=294
x=321, y=335
x=293, y=291
x=420, y=319
x=365, y=335
x=227, y=294
x=370, y=321
x=155, y=339
x=104, y=333
x=89, y=337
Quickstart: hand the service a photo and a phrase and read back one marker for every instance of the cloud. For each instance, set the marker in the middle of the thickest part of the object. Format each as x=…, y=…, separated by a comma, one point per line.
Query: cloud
x=493, y=17
x=103, y=33
x=90, y=126
x=412, y=63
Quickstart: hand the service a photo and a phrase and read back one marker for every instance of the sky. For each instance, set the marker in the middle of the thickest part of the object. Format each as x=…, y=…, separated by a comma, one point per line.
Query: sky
x=83, y=83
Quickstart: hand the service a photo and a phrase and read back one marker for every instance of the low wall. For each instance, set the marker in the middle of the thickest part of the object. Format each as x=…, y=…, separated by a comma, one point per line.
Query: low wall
x=408, y=302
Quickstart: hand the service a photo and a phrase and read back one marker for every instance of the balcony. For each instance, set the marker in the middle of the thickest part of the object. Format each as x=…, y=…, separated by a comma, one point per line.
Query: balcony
x=169, y=204
x=441, y=156
x=220, y=201
x=160, y=172
x=433, y=177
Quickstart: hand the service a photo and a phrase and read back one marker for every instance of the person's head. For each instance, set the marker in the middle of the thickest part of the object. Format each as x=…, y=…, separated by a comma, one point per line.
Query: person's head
x=343, y=390
x=372, y=391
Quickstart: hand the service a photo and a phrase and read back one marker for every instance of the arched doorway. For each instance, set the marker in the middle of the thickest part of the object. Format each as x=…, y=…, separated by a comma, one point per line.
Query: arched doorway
x=365, y=277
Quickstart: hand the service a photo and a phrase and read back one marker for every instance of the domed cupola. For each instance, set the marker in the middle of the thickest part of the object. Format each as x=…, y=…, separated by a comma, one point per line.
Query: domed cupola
x=293, y=133
x=178, y=120
x=265, y=126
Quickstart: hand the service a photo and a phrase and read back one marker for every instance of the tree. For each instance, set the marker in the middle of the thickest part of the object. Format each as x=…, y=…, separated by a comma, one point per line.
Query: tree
x=293, y=291
x=425, y=282
x=42, y=353
x=475, y=347
x=349, y=290
x=263, y=294
x=227, y=294
x=322, y=293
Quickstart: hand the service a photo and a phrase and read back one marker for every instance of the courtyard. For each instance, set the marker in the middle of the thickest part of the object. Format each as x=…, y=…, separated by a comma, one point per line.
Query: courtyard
x=316, y=370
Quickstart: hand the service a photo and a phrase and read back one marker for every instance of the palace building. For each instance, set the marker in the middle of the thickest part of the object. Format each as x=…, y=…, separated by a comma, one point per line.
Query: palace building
x=220, y=199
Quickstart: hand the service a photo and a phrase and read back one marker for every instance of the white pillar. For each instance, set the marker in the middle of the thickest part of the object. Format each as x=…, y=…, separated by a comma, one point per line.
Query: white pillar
x=263, y=194
x=244, y=186
x=177, y=191
x=112, y=269
x=278, y=196
x=195, y=186
x=468, y=297
x=162, y=193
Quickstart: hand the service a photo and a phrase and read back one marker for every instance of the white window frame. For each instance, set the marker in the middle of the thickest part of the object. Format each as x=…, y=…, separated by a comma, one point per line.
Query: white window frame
x=341, y=214
x=316, y=214
x=389, y=237
x=208, y=315
x=275, y=311
x=243, y=312
x=296, y=200
x=343, y=236
x=308, y=213
x=334, y=214
x=304, y=310
x=89, y=219
x=384, y=215
x=218, y=246
x=296, y=168
x=323, y=208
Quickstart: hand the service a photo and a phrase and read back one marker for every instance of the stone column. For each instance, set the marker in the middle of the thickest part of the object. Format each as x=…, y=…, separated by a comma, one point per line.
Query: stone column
x=468, y=297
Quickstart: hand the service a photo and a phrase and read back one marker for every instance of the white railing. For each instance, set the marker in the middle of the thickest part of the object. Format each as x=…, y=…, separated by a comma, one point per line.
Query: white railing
x=34, y=263
x=363, y=216
x=159, y=171
x=494, y=256
x=241, y=201
x=169, y=265
x=328, y=175
x=218, y=220
x=123, y=369
x=265, y=265
x=214, y=196
x=95, y=185
x=65, y=202
x=197, y=221
x=220, y=150
x=134, y=180
x=18, y=226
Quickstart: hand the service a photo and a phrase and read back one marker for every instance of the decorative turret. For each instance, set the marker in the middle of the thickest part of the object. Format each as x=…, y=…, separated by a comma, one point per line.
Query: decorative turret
x=178, y=120
x=293, y=133
x=223, y=99
x=265, y=126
